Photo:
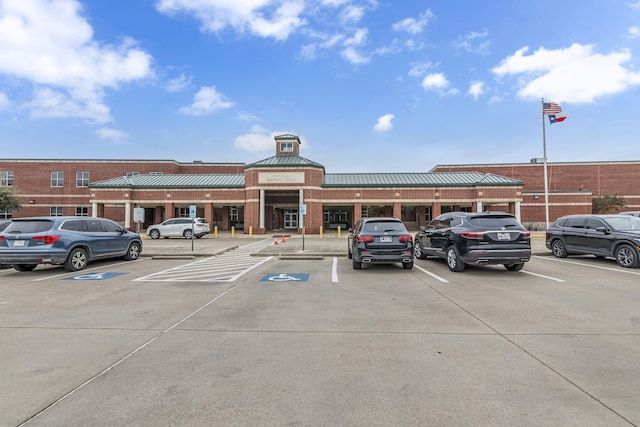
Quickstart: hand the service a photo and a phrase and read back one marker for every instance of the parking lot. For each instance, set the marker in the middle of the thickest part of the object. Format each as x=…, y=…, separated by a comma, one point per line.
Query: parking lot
x=245, y=332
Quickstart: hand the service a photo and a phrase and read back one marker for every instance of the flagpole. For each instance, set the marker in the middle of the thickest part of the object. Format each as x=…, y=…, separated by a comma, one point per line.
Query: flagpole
x=544, y=159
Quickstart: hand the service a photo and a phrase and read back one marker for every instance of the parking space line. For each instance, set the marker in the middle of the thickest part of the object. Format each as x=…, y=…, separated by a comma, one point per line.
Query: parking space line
x=618, y=270
x=542, y=276
x=435, y=276
x=334, y=270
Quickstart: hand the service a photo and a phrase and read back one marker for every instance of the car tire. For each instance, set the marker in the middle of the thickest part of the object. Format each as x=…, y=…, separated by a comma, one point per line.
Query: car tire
x=357, y=265
x=626, y=256
x=154, y=234
x=24, y=267
x=133, y=251
x=77, y=260
x=453, y=259
x=407, y=265
x=4, y=266
x=514, y=267
x=188, y=234
x=418, y=250
x=559, y=249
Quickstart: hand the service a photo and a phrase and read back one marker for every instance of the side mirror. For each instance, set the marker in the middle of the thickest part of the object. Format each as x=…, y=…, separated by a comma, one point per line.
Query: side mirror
x=603, y=230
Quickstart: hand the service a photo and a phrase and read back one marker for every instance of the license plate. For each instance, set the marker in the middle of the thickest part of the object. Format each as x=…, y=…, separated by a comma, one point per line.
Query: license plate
x=386, y=239
x=18, y=243
x=504, y=236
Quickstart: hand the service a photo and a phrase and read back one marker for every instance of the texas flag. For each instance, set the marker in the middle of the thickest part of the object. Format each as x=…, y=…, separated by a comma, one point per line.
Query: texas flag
x=557, y=118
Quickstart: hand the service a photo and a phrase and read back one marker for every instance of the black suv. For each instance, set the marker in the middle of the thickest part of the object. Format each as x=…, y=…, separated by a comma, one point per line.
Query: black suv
x=616, y=236
x=475, y=238
x=380, y=240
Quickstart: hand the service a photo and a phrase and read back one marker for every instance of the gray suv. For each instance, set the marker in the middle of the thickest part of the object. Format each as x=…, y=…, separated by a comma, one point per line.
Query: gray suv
x=179, y=227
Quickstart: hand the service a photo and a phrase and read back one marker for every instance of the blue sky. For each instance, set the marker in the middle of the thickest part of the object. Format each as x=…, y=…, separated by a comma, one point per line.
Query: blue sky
x=368, y=85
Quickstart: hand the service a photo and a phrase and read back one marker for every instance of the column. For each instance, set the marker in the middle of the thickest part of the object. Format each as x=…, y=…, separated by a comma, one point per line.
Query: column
x=262, y=208
x=127, y=215
x=397, y=209
x=94, y=209
x=478, y=206
x=517, y=210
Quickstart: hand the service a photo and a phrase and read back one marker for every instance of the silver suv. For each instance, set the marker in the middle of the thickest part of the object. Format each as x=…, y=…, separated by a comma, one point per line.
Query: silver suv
x=179, y=227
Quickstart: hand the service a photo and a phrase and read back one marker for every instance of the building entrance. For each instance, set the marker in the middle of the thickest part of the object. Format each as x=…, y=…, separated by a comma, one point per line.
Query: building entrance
x=291, y=219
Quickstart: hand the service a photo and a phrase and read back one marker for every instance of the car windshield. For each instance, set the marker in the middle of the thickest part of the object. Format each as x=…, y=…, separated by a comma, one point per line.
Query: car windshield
x=625, y=223
x=494, y=222
x=30, y=226
x=382, y=227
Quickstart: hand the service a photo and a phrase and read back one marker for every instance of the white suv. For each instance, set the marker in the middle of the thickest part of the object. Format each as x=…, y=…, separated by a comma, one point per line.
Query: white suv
x=179, y=227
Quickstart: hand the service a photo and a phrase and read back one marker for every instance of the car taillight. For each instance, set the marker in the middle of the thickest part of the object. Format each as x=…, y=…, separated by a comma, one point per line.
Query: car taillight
x=3, y=238
x=472, y=234
x=365, y=239
x=526, y=234
x=405, y=239
x=47, y=239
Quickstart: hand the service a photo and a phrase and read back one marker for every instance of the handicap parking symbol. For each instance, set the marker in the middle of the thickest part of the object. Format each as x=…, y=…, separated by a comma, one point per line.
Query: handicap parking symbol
x=94, y=276
x=285, y=277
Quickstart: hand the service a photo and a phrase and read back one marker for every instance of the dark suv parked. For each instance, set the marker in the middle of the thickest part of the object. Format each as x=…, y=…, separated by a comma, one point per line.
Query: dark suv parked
x=475, y=238
x=616, y=236
x=380, y=240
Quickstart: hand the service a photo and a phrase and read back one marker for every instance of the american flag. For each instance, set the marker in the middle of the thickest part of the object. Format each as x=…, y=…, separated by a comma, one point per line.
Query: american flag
x=551, y=108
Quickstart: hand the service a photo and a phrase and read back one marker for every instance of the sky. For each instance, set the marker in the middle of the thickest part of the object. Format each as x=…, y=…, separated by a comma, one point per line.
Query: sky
x=367, y=85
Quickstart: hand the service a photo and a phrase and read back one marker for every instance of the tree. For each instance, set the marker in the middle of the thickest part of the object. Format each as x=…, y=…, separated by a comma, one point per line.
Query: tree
x=8, y=200
x=607, y=202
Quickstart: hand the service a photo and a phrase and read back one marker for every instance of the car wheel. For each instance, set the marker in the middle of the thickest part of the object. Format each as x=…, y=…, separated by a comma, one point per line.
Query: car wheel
x=514, y=267
x=627, y=256
x=407, y=265
x=453, y=259
x=418, y=250
x=154, y=234
x=357, y=265
x=133, y=252
x=77, y=260
x=559, y=249
x=188, y=234
x=3, y=266
x=24, y=267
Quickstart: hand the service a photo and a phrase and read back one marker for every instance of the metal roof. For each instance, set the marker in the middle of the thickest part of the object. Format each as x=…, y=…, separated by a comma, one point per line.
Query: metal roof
x=173, y=181
x=285, y=160
x=430, y=179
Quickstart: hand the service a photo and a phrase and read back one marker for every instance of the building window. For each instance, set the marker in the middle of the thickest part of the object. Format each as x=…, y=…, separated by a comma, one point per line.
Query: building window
x=155, y=173
x=286, y=147
x=6, y=214
x=82, y=211
x=6, y=178
x=365, y=212
x=465, y=209
x=327, y=215
x=132, y=174
x=183, y=212
x=233, y=214
x=82, y=179
x=55, y=211
x=57, y=179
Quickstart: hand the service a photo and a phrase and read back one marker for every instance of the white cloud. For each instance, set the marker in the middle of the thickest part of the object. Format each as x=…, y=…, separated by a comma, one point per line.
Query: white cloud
x=113, y=134
x=384, y=123
x=4, y=101
x=350, y=52
x=259, y=139
x=207, y=101
x=412, y=25
x=476, y=89
x=50, y=44
x=633, y=32
x=576, y=74
x=635, y=5
x=437, y=82
x=474, y=42
x=179, y=84
x=359, y=38
x=420, y=69
x=275, y=19
x=352, y=14
x=352, y=56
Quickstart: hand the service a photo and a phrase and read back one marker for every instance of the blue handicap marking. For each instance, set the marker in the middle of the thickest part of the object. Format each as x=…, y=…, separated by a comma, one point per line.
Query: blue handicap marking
x=285, y=277
x=94, y=276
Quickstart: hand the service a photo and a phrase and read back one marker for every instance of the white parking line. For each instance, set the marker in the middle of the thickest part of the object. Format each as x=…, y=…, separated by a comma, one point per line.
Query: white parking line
x=618, y=270
x=435, y=276
x=334, y=270
x=543, y=276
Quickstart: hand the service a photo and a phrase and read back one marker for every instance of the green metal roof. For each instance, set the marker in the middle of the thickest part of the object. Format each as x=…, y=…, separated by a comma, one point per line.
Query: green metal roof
x=173, y=181
x=284, y=160
x=430, y=179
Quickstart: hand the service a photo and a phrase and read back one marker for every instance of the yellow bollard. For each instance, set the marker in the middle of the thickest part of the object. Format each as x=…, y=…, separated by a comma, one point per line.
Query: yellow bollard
x=321, y=230
x=339, y=229
x=215, y=232
x=233, y=231
x=250, y=231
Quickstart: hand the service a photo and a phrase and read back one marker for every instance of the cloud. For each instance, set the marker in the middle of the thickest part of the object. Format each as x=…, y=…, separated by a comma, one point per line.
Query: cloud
x=4, y=101
x=207, y=101
x=476, y=89
x=573, y=75
x=412, y=25
x=259, y=139
x=113, y=134
x=633, y=32
x=437, y=82
x=50, y=44
x=352, y=14
x=178, y=84
x=350, y=52
x=384, y=123
x=275, y=19
x=635, y=5
x=420, y=69
x=467, y=42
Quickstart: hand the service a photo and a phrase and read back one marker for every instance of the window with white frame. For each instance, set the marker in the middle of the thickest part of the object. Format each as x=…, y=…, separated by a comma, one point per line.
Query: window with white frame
x=183, y=212
x=6, y=178
x=131, y=174
x=286, y=147
x=82, y=211
x=57, y=179
x=55, y=211
x=82, y=179
x=6, y=214
x=327, y=215
x=233, y=214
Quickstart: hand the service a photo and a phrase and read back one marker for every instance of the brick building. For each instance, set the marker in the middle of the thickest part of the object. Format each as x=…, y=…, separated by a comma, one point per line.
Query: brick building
x=262, y=196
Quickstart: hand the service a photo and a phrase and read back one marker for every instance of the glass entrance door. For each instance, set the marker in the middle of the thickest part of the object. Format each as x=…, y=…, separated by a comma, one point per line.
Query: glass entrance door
x=291, y=218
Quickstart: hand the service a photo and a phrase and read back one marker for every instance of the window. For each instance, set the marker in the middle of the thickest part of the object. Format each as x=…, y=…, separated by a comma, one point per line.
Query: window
x=6, y=214
x=6, y=178
x=57, y=179
x=55, y=211
x=82, y=211
x=365, y=211
x=286, y=147
x=131, y=174
x=155, y=173
x=111, y=227
x=94, y=226
x=183, y=212
x=233, y=214
x=82, y=179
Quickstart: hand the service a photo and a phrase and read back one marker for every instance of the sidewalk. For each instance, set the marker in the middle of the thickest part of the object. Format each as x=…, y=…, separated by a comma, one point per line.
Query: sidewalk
x=290, y=246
